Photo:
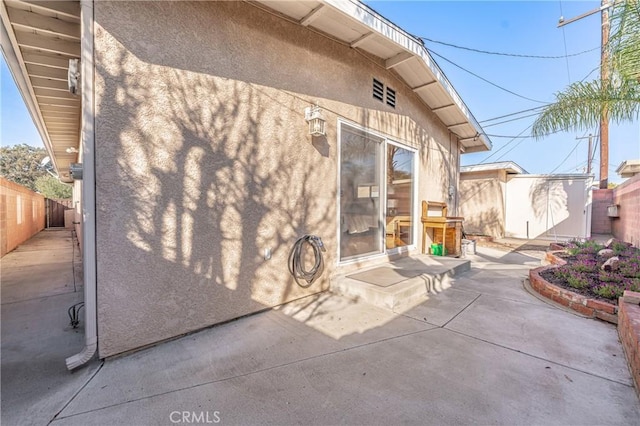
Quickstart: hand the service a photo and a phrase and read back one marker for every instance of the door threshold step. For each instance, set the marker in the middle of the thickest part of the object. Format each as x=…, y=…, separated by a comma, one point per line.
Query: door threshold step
x=401, y=282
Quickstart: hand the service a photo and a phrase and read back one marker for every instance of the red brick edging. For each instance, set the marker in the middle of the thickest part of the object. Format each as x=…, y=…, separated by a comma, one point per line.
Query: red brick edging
x=579, y=303
x=551, y=257
x=629, y=332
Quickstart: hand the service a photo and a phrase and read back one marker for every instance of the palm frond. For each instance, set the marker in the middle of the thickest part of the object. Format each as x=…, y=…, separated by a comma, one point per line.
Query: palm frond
x=580, y=106
x=624, y=43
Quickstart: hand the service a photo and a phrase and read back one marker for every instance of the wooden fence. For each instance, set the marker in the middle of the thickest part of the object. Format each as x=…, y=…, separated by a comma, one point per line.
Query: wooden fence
x=22, y=215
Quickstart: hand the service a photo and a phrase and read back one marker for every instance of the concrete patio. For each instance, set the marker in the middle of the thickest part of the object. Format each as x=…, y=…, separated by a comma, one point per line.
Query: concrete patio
x=481, y=350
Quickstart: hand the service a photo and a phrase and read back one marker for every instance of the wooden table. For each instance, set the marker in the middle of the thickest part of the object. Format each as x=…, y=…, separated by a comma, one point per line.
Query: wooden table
x=447, y=231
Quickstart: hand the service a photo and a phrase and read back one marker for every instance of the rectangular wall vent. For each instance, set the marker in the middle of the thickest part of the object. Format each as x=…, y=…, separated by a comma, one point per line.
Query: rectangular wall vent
x=391, y=97
x=378, y=90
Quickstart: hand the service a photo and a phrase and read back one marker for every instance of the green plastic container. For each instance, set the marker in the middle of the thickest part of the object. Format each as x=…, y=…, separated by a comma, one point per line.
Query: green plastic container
x=438, y=250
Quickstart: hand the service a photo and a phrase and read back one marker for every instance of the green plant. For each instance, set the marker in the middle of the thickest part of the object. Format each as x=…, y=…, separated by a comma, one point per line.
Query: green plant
x=610, y=277
x=577, y=247
x=608, y=291
x=578, y=281
x=562, y=272
x=619, y=247
x=584, y=265
x=51, y=187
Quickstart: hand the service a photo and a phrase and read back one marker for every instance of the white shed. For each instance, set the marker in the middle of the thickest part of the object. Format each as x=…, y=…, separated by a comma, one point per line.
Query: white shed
x=503, y=200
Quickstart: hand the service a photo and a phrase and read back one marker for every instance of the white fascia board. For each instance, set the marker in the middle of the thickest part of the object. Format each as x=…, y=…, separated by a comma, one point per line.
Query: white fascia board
x=554, y=176
x=380, y=25
x=509, y=166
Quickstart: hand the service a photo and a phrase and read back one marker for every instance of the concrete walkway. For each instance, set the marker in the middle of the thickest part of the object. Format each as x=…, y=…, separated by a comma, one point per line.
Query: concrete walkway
x=480, y=351
x=38, y=286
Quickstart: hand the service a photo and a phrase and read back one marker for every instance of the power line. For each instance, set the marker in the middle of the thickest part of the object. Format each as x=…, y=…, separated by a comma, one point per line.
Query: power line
x=566, y=158
x=523, y=137
x=515, y=55
x=485, y=80
x=510, y=120
x=506, y=145
x=513, y=113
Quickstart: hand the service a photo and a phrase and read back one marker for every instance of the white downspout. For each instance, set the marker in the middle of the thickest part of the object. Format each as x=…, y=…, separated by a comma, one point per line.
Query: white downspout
x=88, y=188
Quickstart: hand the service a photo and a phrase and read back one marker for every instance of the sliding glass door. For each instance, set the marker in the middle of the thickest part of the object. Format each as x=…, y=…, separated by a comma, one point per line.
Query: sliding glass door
x=361, y=226
x=399, y=195
x=377, y=183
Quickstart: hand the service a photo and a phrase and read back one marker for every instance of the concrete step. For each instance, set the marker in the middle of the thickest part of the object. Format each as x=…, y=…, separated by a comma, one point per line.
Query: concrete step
x=424, y=273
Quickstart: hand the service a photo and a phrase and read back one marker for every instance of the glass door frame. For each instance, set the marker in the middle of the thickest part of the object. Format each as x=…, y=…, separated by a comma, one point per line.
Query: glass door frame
x=414, y=193
x=383, y=190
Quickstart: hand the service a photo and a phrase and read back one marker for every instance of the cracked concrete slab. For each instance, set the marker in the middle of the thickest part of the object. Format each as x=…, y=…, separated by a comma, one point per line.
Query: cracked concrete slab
x=431, y=377
x=36, y=334
x=307, y=328
x=440, y=308
x=487, y=353
x=546, y=332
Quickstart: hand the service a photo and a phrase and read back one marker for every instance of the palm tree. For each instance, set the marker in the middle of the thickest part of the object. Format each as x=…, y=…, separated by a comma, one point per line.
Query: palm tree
x=581, y=105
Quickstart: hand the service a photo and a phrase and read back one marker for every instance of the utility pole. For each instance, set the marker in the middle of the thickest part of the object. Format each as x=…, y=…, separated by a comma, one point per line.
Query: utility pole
x=604, y=81
x=590, y=137
x=604, y=119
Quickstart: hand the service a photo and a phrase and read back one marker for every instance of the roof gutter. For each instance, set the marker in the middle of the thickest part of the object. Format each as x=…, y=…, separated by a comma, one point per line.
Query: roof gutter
x=88, y=188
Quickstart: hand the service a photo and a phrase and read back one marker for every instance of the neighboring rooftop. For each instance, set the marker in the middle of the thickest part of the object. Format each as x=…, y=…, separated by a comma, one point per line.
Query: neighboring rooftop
x=628, y=168
x=509, y=166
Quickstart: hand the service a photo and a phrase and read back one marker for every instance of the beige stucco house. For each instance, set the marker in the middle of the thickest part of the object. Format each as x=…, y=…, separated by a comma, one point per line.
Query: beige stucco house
x=199, y=172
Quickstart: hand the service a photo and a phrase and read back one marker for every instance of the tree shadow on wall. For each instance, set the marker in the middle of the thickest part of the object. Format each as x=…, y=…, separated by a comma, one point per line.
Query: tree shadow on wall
x=191, y=188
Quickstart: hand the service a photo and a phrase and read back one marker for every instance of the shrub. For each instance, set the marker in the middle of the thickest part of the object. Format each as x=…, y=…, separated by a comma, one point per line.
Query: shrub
x=630, y=267
x=608, y=291
x=576, y=247
x=619, y=247
x=632, y=284
x=578, y=281
x=584, y=265
x=573, y=249
x=591, y=247
x=562, y=272
x=610, y=277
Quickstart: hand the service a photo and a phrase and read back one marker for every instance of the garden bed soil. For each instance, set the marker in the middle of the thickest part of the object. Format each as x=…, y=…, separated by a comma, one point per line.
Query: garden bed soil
x=580, y=269
x=549, y=276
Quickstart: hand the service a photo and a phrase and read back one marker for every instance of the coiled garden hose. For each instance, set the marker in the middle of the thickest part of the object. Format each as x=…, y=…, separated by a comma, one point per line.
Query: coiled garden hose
x=296, y=263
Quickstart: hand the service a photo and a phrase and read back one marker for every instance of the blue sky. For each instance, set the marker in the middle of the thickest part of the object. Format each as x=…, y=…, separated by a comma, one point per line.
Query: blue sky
x=517, y=27
x=524, y=28
x=15, y=122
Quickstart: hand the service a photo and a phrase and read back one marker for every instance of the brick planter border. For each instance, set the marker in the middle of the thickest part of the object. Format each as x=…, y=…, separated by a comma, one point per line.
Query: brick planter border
x=629, y=332
x=592, y=308
x=551, y=258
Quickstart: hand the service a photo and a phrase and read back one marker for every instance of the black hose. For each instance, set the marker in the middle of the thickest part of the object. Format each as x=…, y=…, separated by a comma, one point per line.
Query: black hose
x=296, y=263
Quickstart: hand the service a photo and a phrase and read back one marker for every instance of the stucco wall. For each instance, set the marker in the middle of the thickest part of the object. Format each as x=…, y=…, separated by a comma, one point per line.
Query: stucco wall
x=627, y=226
x=482, y=202
x=22, y=215
x=203, y=159
x=548, y=206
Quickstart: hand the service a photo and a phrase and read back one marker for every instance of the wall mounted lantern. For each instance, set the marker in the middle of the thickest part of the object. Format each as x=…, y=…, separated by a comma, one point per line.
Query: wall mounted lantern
x=313, y=116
